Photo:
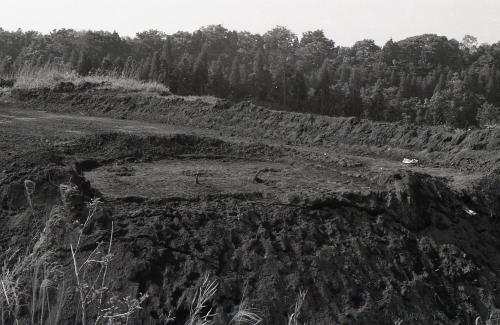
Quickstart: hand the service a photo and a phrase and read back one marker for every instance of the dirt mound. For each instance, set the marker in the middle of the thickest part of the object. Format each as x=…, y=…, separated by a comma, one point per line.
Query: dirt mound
x=437, y=146
x=120, y=146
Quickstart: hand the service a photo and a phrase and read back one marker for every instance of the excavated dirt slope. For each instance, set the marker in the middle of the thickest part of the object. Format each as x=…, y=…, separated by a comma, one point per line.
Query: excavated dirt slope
x=267, y=203
x=438, y=146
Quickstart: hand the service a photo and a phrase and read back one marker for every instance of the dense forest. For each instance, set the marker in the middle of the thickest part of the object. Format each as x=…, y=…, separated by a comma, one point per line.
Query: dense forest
x=425, y=79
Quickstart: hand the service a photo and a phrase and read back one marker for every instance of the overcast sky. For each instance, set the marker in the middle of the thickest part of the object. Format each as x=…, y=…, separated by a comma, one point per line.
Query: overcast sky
x=345, y=21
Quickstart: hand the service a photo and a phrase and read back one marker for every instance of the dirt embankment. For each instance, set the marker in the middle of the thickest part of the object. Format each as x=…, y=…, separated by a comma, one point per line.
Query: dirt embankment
x=411, y=248
x=368, y=247
x=477, y=149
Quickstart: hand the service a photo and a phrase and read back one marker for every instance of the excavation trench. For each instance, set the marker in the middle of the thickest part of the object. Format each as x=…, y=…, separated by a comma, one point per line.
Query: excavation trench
x=370, y=244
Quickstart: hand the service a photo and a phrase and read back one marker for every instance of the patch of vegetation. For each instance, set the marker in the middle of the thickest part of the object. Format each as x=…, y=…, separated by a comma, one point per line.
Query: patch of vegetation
x=52, y=75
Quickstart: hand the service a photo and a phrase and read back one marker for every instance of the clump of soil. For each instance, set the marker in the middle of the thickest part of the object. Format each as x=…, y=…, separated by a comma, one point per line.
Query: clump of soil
x=7, y=83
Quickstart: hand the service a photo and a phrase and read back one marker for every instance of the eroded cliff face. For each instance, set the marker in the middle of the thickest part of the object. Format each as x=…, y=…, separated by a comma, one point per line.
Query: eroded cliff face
x=368, y=246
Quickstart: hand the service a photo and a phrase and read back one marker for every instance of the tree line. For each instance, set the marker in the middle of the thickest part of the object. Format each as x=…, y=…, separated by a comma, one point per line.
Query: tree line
x=426, y=79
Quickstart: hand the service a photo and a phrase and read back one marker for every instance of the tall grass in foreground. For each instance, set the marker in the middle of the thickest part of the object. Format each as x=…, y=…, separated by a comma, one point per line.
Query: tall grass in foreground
x=97, y=304
x=92, y=289
x=48, y=76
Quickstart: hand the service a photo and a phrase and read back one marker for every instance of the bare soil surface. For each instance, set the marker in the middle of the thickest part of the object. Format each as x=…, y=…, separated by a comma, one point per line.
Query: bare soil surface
x=267, y=208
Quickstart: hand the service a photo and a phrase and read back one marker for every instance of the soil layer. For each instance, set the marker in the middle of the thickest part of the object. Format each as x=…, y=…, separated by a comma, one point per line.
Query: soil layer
x=268, y=203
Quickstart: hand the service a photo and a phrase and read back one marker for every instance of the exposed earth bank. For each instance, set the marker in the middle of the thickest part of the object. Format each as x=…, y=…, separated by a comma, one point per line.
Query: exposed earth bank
x=438, y=146
x=267, y=203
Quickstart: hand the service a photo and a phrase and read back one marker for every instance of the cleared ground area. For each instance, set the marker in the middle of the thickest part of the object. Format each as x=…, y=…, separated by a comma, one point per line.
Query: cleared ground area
x=371, y=239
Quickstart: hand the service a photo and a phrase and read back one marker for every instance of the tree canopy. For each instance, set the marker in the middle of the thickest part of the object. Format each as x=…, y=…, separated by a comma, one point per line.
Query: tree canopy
x=422, y=79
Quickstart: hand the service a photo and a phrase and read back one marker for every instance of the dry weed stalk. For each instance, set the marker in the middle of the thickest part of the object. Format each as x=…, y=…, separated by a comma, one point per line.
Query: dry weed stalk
x=46, y=278
x=93, y=291
x=112, y=313
x=493, y=319
x=83, y=288
x=246, y=315
x=52, y=278
x=206, y=291
x=293, y=319
x=10, y=286
x=29, y=189
x=165, y=319
x=11, y=293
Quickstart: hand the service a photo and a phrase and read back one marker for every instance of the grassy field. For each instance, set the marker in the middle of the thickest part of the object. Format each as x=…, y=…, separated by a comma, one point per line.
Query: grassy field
x=50, y=76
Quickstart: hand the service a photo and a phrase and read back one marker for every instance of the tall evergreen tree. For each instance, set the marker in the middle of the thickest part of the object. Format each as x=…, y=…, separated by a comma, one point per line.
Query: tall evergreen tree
x=154, y=69
x=376, y=108
x=404, y=87
x=145, y=69
x=355, y=79
x=298, y=89
x=441, y=84
x=260, y=76
x=200, y=72
x=235, y=78
x=166, y=62
x=7, y=66
x=394, y=80
x=437, y=109
x=488, y=114
x=245, y=85
x=344, y=73
x=84, y=63
x=355, y=102
x=106, y=64
x=323, y=88
x=491, y=88
x=218, y=85
x=118, y=66
x=129, y=68
x=390, y=52
x=181, y=79
x=73, y=59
